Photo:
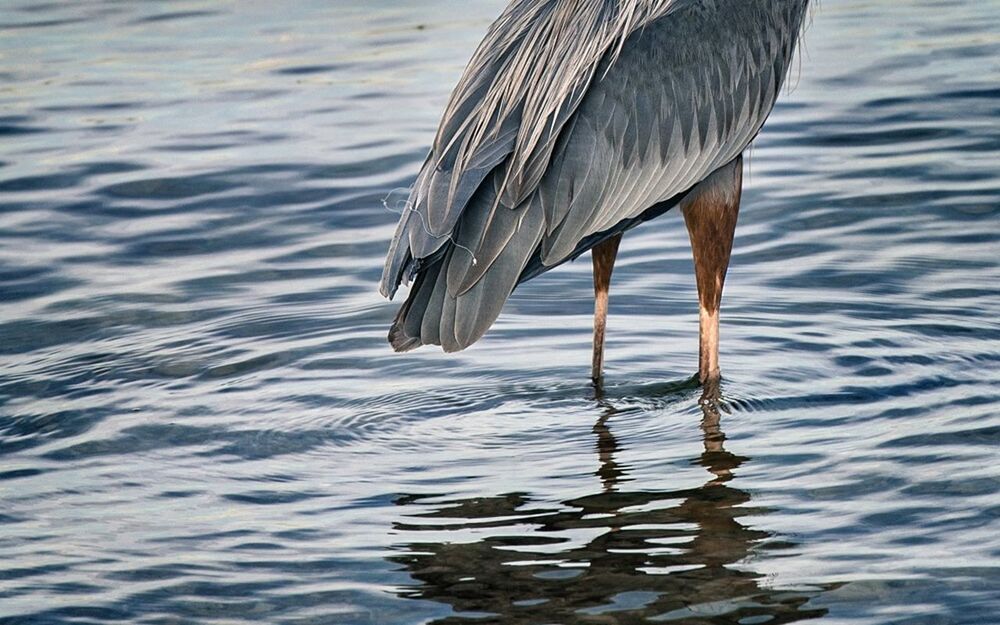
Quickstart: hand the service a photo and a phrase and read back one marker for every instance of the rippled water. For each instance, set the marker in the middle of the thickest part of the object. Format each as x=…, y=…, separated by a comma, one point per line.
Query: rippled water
x=202, y=423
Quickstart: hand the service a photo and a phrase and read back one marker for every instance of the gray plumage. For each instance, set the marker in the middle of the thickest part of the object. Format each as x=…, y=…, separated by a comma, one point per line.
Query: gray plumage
x=574, y=121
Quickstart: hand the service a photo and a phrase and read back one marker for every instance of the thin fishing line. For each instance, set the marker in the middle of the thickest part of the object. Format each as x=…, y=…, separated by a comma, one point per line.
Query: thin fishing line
x=408, y=208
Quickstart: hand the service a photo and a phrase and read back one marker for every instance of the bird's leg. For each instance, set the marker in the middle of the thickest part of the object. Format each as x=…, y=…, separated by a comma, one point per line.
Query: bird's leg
x=710, y=212
x=604, y=254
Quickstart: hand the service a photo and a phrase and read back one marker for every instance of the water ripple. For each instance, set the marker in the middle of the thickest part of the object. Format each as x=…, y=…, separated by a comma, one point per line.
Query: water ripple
x=202, y=421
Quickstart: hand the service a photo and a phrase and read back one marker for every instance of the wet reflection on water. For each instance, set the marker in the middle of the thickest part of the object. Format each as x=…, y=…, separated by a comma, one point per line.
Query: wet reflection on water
x=620, y=555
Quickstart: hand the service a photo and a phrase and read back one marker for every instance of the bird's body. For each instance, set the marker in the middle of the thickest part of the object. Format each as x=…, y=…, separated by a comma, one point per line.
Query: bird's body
x=575, y=121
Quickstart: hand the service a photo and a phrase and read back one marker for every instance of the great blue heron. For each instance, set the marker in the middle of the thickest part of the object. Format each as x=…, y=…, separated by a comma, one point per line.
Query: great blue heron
x=575, y=121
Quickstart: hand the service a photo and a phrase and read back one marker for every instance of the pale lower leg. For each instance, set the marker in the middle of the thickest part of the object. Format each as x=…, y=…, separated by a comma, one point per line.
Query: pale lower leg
x=604, y=263
x=708, y=344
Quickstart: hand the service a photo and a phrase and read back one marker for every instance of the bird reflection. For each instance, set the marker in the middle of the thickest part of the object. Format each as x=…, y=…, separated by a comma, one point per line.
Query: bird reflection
x=621, y=555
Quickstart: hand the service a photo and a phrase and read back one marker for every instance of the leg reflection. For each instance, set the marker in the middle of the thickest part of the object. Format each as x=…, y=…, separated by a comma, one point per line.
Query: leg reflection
x=607, y=446
x=621, y=554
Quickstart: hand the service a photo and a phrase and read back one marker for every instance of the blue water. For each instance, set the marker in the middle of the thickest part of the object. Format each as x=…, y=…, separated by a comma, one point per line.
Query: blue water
x=201, y=422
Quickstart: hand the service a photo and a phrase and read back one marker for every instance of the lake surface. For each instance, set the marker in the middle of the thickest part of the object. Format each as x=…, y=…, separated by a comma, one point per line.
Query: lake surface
x=201, y=422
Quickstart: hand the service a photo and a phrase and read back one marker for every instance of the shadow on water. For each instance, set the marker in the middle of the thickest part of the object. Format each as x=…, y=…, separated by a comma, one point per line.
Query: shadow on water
x=678, y=556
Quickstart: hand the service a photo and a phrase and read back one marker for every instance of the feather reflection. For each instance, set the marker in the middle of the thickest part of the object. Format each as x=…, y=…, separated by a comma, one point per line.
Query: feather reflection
x=616, y=556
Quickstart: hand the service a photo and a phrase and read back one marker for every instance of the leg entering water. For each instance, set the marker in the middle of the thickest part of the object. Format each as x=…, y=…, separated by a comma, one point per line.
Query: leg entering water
x=710, y=213
x=604, y=255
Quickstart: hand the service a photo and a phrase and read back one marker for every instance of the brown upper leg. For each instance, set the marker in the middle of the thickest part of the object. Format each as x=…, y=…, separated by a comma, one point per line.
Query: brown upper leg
x=710, y=213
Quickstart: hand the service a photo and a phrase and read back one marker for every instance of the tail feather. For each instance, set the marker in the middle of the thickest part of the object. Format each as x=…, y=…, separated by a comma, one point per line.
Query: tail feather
x=405, y=330
x=432, y=315
x=430, y=326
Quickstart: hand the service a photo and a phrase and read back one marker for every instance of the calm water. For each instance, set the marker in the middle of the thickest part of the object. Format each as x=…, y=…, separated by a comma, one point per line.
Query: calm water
x=201, y=421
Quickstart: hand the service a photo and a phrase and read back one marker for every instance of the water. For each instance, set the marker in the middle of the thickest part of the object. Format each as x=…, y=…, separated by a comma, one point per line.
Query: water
x=201, y=421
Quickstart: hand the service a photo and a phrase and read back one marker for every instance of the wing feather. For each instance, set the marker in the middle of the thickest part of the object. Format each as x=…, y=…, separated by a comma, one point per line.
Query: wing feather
x=590, y=119
x=522, y=86
x=688, y=76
